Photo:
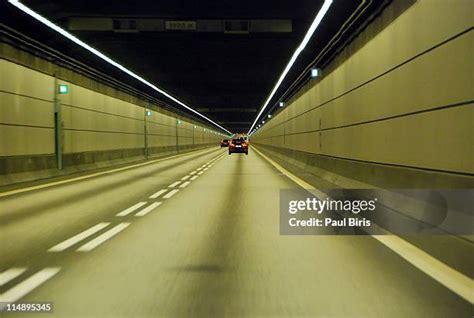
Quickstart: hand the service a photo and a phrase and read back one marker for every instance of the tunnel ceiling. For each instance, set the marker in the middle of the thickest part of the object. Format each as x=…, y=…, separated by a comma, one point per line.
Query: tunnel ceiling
x=224, y=69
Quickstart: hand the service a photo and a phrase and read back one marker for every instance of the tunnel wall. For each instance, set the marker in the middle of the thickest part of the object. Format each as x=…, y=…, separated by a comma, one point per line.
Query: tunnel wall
x=98, y=127
x=394, y=109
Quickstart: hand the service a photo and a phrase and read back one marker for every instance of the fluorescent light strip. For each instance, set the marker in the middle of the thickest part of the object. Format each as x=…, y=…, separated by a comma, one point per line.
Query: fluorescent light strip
x=76, y=40
x=317, y=20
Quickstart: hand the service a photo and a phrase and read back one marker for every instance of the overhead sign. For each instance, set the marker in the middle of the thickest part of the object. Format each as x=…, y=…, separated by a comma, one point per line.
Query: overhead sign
x=181, y=25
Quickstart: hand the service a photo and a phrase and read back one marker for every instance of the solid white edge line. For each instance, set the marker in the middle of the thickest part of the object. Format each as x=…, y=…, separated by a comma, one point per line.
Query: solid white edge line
x=185, y=184
x=170, y=194
x=174, y=184
x=11, y=274
x=185, y=178
x=89, y=246
x=148, y=209
x=457, y=282
x=26, y=286
x=131, y=209
x=79, y=237
x=194, y=178
x=442, y=273
x=52, y=184
x=157, y=194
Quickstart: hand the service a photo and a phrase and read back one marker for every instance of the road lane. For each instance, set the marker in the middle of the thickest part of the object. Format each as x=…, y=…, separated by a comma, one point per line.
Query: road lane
x=32, y=222
x=213, y=249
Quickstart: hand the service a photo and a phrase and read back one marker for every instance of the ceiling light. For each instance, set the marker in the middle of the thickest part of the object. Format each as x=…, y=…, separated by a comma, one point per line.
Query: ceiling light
x=317, y=20
x=101, y=55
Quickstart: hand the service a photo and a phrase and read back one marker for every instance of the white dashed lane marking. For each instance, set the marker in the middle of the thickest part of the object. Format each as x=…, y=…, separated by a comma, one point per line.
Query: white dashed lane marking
x=157, y=194
x=10, y=274
x=77, y=238
x=184, y=185
x=32, y=282
x=174, y=184
x=148, y=209
x=26, y=286
x=131, y=209
x=102, y=238
x=170, y=194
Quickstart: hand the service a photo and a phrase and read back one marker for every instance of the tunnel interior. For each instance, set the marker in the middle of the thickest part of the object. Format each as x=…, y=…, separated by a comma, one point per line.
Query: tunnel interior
x=241, y=159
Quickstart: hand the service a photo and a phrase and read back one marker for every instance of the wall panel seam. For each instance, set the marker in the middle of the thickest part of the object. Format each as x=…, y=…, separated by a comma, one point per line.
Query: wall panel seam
x=103, y=131
x=28, y=126
x=99, y=111
x=438, y=108
x=26, y=96
x=378, y=76
x=382, y=163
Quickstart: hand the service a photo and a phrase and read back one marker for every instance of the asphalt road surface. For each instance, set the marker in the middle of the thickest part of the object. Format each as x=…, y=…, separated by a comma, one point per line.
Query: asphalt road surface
x=196, y=236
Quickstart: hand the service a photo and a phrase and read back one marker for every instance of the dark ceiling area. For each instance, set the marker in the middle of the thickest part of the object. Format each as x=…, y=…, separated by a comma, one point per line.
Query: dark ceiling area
x=220, y=57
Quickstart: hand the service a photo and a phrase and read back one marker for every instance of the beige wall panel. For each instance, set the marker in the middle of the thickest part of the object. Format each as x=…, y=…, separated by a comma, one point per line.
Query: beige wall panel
x=441, y=77
x=127, y=109
x=18, y=79
x=302, y=142
x=19, y=141
x=410, y=34
x=440, y=140
x=184, y=132
x=161, y=141
x=75, y=118
x=86, y=98
x=185, y=141
x=21, y=110
x=312, y=97
x=303, y=123
x=166, y=120
x=80, y=141
x=188, y=125
x=435, y=140
x=400, y=41
x=157, y=129
x=81, y=97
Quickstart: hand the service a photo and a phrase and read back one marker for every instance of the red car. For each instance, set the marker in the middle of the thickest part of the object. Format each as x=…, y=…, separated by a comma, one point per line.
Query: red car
x=238, y=145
